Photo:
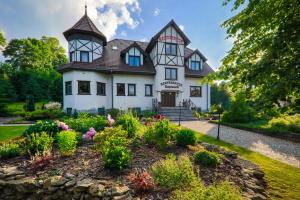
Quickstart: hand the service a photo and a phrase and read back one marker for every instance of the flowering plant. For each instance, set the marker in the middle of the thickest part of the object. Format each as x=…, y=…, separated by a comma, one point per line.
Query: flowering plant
x=110, y=120
x=63, y=126
x=89, y=135
x=158, y=117
x=52, y=105
x=142, y=181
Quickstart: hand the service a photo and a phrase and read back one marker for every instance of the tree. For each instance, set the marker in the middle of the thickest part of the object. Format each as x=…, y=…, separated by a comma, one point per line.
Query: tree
x=219, y=95
x=265, y=57
x=7, y=93
x=2, y=39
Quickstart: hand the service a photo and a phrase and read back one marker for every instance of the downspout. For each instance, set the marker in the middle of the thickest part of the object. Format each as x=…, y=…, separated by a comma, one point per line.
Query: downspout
x=207, y=96
x=112, y=89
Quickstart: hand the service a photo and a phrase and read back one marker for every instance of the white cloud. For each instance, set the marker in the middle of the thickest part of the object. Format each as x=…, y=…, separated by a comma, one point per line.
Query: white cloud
x=156, y=12
x=181, y=27
x=143, y=40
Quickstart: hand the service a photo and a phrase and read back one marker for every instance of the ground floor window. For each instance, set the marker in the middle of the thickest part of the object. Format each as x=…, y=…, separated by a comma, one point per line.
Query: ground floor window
x=84, y=87
x=131, y=90
x=68, y=87
x=148, y=90
x=195, y=91
x=101, y=89
x=120, y=89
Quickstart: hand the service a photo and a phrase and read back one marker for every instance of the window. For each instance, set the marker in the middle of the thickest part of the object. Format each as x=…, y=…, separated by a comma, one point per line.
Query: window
x=84, y=56
x=171, y=49
x=101, y=89
x=195, y=91
x=171, y=74
x=72, y=56
x=195, y=65
x=120, y=89
x=84, y=87
x=131, y=90
x=134, y=61
x=148, y=90
x=68, y=87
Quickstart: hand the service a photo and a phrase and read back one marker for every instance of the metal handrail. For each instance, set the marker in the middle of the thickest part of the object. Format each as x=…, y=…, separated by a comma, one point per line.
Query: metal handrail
x=188, y=103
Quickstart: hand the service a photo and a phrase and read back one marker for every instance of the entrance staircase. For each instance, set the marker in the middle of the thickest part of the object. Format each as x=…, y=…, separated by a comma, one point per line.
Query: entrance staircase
x=172, y=113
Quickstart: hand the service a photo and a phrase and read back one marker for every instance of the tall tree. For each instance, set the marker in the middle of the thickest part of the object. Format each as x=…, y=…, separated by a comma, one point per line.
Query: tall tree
x=265, y=56
x=2, y=39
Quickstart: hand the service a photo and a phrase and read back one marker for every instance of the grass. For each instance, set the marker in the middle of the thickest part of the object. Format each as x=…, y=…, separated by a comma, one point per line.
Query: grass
x=283, y=180
x=17, y=108
x=10, y=132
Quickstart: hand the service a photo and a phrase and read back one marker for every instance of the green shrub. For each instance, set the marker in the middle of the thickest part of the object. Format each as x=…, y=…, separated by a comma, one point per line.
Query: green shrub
x=285, y=124
x=114, y=112
x=170, y=173
x=50, y=127
x=44, y=114
x=115, y=157
x=186, y=137
x=30, y=104
x=108, y=133
x=38, y=143
x=148, y=113
x=206, y=158
x=197, y=191
x=129, y=123
x=84, y=122
x=67, y=141
x=161, y=133
x=9, y=150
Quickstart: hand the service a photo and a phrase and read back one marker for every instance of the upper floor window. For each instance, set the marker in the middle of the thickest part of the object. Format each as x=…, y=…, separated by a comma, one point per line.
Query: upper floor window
x=134, y=61
x=195, y=91
x=84, y=87
x=68, y=87
x=101, y=89
x=131, y=90
x=171, y=49
x=195, y=65
x=148, y=90
x=171, y=74
x=72, y=54
x=120, y=89
x=84, y=56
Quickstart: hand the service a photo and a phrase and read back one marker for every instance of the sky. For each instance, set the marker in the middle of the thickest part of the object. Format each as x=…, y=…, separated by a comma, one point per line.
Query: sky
x=126, y=19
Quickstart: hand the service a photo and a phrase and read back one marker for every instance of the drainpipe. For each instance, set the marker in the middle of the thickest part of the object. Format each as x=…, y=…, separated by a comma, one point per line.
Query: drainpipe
x=207, y=96
x=112, y=89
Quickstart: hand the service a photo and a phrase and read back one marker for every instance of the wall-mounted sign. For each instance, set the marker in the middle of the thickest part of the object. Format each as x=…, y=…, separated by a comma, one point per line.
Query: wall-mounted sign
x=170, y=37
x=171, y=84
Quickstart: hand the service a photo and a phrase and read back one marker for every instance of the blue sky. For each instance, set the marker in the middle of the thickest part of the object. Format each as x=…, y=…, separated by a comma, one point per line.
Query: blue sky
x=128, y=19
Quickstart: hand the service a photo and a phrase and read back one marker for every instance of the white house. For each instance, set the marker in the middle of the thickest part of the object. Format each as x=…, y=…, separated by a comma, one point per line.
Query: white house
x=131, y=74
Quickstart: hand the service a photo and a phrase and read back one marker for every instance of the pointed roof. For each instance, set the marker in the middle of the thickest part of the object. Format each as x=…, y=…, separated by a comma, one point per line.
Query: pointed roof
x=136, y=45
x=199, y=53
x=171, y=23
x=85, y=26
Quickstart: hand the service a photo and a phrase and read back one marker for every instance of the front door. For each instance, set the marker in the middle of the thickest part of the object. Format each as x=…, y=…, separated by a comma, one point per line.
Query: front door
x=168, y=99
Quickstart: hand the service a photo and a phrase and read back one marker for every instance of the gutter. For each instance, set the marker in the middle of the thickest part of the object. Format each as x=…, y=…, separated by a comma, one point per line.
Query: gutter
x=207, y=96
x=112, y=89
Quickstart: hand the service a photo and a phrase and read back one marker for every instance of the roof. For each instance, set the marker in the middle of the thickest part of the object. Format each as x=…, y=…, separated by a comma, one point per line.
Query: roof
x=112, y=62
x=171, y=23
x=85, y=26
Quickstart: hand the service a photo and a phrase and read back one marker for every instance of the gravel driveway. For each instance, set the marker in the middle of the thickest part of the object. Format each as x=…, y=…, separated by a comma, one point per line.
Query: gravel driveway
x=278, y=149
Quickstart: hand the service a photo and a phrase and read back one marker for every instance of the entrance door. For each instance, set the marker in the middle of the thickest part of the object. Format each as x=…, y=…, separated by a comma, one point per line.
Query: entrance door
x=168, y=99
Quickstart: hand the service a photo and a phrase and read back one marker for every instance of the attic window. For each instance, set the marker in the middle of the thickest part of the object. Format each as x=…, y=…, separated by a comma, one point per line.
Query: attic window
x=195, y=65
x=134, y=61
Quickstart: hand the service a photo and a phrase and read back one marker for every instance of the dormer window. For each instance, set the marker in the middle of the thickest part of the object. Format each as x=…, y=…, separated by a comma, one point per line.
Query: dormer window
x=84, y=56
x=134, y=61
x=195, y=65
x=171, y=49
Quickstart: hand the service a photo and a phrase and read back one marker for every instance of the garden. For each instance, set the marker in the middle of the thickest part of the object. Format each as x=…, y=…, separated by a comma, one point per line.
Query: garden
x=125, y=157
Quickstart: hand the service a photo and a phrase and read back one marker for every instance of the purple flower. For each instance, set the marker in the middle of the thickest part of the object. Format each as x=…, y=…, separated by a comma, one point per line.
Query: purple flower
x=63, y=126
x=89, y=135
x=110, y=120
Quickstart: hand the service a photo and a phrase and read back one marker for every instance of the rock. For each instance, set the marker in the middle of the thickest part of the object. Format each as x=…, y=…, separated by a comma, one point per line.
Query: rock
x=55, y=181
x=231, y=154
x=9, y=171
x=84, y=184
x=123, y=197
x=70, y=183
x=119, y=190
x=258, y=174
x=96, y=190
x=258, y=197
x=69, y=175
x=25, y=185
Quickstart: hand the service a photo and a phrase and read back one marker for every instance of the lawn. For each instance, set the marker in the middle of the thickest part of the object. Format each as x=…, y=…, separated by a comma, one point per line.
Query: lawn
x=10, y=132
x=283, y=180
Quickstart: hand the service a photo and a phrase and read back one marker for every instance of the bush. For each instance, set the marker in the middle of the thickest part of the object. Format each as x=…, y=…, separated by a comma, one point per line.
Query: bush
x=285, y=124
x=114, y=112
x=30, y=105
x=161, y=133
x=44, y=114
x=129, y=123
x=186, y=137
x=223, y=191
x=142, y=181
x=50, y=127
x=84, y=122
x=170, y=173
x=67, y=141
x=148, y=113
x=115, y=157
x=9, y=150
x=38, y=143
x=208, y=159
x=116, y=133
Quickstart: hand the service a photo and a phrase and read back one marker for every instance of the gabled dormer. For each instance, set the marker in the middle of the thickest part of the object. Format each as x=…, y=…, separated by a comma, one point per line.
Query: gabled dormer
x=167, y=46
x=85, y=40
x=195, y=61
x=134, y=55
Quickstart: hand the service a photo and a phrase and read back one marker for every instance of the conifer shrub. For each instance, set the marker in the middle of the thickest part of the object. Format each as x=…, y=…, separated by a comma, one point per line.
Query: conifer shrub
x=186, y=137
x=208, y=159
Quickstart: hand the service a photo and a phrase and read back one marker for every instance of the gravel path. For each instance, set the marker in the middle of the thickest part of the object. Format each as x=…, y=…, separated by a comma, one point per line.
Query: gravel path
x=278, y=149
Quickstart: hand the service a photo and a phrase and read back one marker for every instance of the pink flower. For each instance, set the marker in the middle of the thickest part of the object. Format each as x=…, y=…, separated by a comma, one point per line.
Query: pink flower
x=89, y=135
x=110, y=120
x=63, y=126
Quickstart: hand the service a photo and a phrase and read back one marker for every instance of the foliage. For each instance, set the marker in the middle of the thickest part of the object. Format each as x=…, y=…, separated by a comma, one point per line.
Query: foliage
x=219, y=95
x=142, y=181
x=2, y=39
x=170, y=173
x=161, y=133
x=109, y=134
x=129, y=123
x=115, y=157
x=84, y=122
x=239, y=110
x=40, y=162
x=186, y=137
x=264, y=59
x=7, y=93
x=67, y=141
x=38, y=143
x=50, y=127
x=114, y=112
x=208, y=159
x=44, y=114
x=286, y=123
x=9, y=150
x=52, y=105
x=30, y=104
x=148, y=113
x=223, y=191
